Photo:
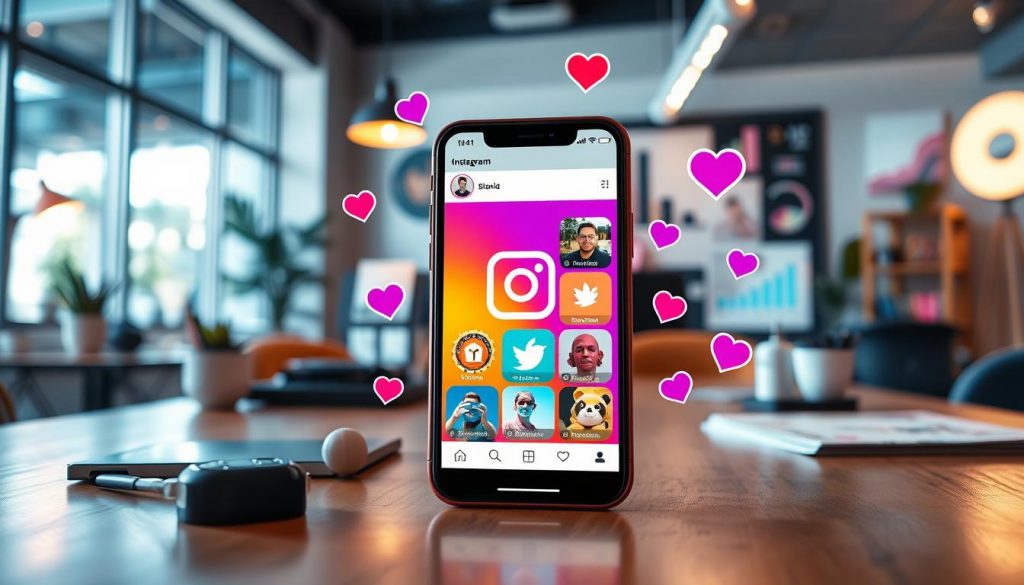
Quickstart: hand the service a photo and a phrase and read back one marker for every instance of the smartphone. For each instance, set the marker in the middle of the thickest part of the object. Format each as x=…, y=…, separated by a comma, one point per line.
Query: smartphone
x=531, y=322
x=503, y=547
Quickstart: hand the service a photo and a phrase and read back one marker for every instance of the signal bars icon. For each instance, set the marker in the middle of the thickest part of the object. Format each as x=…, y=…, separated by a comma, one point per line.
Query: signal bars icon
x=581, y=141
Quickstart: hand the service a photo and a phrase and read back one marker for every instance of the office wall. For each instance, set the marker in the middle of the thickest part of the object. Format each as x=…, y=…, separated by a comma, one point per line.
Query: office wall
x=524, y=76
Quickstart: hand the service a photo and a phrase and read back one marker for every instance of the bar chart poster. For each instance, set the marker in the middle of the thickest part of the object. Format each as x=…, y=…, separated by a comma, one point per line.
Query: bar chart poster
x=778, y=293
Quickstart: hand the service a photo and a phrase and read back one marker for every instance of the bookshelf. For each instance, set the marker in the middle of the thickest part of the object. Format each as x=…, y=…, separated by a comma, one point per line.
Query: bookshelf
x=923, y=252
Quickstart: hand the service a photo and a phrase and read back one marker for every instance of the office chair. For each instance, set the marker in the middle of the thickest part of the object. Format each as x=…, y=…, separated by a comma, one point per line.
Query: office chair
x=664, y=352
x=996, y=380
x=270, y=354
x=7, y=411
x=916, y=357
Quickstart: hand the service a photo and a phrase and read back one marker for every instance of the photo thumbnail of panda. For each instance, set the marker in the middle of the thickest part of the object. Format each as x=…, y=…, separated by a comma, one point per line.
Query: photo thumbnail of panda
x=585, y=413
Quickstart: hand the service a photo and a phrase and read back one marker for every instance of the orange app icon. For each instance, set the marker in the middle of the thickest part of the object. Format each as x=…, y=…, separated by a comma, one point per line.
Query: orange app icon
x=585, y=298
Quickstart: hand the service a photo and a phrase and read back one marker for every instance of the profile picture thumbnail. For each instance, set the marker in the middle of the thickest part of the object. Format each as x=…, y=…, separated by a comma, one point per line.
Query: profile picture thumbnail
x=585, y=355
x=585, y=242
x=527, y=412
x=462, y=186
x=585, y=413
x=471, y=412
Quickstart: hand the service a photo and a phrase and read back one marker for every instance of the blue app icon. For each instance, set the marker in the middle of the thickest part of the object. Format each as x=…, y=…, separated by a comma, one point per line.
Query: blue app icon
x=528, y=355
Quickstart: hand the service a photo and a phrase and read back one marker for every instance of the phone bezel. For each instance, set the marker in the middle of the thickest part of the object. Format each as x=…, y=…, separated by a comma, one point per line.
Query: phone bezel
x=577, y=488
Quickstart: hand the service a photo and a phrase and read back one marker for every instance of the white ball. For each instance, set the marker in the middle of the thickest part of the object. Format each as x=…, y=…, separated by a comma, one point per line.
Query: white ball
x=344, y=451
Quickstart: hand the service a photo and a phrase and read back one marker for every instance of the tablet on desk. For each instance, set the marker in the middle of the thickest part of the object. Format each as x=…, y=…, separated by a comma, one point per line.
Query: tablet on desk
x=169, y=459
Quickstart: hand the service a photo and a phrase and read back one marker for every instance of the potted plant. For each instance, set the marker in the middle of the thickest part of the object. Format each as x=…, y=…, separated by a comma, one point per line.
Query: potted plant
x=82, y=326
x=215, y=373
x=277, y=269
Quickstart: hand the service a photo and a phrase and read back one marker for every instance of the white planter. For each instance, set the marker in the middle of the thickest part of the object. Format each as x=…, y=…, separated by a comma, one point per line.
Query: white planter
x=216, y=379
x=822, y=373
x=82, y=333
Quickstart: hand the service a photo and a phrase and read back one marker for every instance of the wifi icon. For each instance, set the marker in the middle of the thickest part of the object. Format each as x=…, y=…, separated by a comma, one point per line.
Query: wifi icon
x=592, y=139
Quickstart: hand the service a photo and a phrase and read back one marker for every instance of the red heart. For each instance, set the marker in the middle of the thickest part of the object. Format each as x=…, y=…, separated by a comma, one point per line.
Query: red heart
x=585, y=71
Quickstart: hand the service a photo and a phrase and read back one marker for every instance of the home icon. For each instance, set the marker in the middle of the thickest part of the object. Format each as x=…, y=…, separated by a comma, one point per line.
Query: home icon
x=460, y=455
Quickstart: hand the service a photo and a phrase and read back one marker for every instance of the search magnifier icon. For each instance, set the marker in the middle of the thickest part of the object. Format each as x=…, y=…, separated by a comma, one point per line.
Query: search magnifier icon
x=494, y=455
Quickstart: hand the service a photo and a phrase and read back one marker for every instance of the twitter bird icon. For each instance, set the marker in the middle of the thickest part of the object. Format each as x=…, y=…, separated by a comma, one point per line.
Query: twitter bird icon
x=528, y=355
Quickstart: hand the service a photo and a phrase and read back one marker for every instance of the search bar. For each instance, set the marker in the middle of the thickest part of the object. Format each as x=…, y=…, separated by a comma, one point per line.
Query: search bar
x=539, y=185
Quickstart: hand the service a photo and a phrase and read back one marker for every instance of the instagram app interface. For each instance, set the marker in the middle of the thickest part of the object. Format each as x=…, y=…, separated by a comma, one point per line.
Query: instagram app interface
x=530, y=306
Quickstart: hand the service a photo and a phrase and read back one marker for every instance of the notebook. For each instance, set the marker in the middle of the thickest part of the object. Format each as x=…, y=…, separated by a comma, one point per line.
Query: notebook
x=169, y=459
x=911, y=432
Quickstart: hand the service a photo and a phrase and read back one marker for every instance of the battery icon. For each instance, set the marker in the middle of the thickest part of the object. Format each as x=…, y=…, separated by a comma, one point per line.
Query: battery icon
x=603, y=140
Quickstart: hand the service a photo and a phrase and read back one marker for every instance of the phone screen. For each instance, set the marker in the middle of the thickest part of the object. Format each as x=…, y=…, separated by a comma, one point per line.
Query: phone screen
x=529, y=347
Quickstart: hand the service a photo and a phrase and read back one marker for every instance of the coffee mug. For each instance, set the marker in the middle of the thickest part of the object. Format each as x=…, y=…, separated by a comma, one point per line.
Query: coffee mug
x=822, y=373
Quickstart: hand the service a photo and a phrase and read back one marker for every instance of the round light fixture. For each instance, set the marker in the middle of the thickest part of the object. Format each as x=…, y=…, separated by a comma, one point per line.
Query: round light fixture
x=987, y=149
x=376, y=125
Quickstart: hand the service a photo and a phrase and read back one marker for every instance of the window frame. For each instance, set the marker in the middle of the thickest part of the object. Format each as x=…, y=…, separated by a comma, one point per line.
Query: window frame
x=127, y=99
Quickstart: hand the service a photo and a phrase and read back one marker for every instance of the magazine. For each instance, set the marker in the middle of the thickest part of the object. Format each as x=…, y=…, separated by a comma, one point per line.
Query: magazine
x=867, y=433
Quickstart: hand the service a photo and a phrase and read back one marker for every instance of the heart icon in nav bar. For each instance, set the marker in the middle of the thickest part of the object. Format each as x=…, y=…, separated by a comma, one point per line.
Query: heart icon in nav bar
x=563, y=455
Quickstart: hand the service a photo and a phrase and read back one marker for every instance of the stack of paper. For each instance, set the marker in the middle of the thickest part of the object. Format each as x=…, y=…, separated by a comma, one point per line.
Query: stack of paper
x=867, y=433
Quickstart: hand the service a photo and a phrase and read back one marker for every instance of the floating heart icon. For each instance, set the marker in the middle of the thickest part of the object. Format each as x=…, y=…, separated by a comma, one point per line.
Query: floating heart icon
x=387, y=389
x=562, y=455
x=413, y=109
x=742, y=264
x=385, y=301
x=663, y=234
x=668, y=307
x=586, y=72
x=677, y=388
x=359, y=206
x=729, y=354
x=716, y=173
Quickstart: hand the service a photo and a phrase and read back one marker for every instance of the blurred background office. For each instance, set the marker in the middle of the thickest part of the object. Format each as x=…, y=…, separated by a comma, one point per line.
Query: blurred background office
x=185, y=152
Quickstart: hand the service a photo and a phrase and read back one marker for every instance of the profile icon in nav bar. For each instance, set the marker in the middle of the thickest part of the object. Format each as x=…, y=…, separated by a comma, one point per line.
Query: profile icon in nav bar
x=462, y=186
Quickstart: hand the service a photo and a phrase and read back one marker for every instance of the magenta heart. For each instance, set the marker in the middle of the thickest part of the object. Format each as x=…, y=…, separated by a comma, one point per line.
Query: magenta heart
x=413, y=108
x=386, y=301
x=668, y=307
x=729, y=354
x=677, y=388
x=359, y=206
x=663, y=234
x=387, y=389
x=741, y=264
x=716, y=173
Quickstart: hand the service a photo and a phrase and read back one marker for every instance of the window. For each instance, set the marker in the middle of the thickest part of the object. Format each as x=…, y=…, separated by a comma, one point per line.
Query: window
x=171, y=56
x=75, y=29
x=170, y=178
x=246, y=177
x=59, y=141
x=137, y=161
x=250, y=93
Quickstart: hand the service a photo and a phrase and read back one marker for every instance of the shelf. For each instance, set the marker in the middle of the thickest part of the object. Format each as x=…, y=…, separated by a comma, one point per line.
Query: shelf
x=914, y=268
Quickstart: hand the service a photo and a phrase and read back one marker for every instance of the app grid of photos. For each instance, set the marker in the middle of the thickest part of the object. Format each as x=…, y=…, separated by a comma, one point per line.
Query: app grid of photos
x=557, y=381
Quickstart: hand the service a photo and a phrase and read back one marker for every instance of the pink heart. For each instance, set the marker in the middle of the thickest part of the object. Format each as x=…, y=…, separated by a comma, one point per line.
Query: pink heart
x=359, y=206
x=385, y=301
x=677, y=388
x=741, y=264
x=663, y=234
x=413, y=108
x=668, y=307
x=729, y=354
x=716, y=173
x=387, y=389
x=586, y=72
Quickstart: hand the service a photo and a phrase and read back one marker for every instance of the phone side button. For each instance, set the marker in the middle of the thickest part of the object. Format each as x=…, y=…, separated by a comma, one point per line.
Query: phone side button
x=632, y=243
x=430, y=255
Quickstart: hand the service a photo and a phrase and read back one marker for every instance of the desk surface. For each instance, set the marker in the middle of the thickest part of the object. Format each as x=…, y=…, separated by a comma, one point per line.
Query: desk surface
x=701, y=510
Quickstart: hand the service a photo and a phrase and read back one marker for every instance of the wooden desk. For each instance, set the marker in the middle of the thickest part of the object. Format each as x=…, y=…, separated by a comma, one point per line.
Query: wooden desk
x=700, y=512
x=102, y=373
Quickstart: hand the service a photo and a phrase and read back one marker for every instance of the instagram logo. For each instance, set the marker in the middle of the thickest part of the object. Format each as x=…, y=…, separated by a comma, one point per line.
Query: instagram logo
x=527, y=281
